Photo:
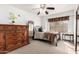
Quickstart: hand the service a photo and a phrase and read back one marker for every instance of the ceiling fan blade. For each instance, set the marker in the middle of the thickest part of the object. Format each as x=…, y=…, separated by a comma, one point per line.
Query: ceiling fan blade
x=51, y=8
x=38, y=13
x=46, y=12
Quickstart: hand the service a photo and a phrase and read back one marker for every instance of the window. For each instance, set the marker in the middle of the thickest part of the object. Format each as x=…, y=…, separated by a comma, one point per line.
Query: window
x=59, y=24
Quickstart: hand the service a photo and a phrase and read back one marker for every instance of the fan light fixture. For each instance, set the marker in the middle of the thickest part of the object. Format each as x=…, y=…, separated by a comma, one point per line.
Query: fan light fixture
x=43, y=9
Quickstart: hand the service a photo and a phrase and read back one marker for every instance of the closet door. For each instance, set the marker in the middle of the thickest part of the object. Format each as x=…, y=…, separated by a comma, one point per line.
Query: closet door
x=22, y=35
x=2, y=41
x=26, y=37
x=11, y=40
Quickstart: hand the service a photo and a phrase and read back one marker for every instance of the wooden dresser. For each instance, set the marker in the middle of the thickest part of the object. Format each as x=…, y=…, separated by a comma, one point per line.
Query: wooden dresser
x=12, y=37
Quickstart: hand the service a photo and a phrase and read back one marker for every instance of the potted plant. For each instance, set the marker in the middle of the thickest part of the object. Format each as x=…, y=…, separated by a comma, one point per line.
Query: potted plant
x=12, y=17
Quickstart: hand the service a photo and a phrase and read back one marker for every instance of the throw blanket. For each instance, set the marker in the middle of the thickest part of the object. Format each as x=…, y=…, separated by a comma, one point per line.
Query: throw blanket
x=49, y=36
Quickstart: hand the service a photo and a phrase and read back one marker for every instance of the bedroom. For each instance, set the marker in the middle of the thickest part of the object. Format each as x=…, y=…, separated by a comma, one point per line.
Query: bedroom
x=62, y=21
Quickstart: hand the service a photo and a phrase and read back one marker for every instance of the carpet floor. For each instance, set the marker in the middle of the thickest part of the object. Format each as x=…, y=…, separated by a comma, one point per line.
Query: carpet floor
x=41, y=47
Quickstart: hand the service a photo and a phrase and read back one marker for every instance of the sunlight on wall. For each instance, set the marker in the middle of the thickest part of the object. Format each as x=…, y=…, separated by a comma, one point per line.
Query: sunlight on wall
x=25, y=16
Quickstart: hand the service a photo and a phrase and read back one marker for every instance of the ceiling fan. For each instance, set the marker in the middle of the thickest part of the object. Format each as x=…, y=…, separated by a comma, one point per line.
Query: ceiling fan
x=44, y=8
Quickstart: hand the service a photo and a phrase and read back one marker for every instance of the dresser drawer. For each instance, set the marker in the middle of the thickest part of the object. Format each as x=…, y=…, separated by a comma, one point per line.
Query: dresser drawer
x=13, y=36
x=21, y=27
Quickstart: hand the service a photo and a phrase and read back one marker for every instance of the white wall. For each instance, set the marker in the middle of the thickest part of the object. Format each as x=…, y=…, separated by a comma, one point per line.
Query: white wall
x=67, y=13
x=44, y=23
x=25, y=16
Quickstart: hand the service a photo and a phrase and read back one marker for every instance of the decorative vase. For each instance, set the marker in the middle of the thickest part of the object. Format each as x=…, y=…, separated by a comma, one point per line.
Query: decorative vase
x=13, y=22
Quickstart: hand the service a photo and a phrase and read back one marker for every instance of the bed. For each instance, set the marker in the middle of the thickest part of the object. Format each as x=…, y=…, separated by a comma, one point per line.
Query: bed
x=52, y=37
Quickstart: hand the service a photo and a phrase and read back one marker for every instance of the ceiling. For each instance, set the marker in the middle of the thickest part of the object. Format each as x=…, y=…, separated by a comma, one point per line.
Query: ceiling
x=58, y=7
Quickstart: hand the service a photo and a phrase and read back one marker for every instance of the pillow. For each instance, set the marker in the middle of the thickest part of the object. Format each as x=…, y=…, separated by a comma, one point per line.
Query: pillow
x=40, y=29
x=36, y=28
